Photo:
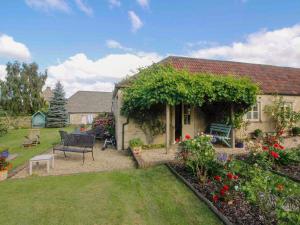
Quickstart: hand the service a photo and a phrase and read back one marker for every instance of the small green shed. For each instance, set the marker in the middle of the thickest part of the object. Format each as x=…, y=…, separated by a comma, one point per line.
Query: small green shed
x=38, y=120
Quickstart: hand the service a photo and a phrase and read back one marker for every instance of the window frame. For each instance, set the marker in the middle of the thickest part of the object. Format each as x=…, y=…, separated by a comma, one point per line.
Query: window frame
x=252, y=119
x=187, y=115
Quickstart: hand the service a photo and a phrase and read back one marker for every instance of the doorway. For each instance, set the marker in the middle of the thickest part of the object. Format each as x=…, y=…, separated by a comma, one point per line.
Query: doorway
x=178, y=122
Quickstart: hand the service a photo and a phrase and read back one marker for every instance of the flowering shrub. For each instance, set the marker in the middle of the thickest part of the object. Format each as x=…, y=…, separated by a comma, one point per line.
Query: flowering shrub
x=270, y=152
x=226, y=187
x=276, y=196
x=198, y=154
x=4, y=165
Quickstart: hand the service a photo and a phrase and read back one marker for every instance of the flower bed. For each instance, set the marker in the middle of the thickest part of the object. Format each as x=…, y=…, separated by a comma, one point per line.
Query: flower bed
x=243, y=192
x=239, y=211
x=269, y=153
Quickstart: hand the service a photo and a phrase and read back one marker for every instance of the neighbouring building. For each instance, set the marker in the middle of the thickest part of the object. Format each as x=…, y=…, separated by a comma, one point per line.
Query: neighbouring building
x=47, y=94
x=187, y=119
x=84, y=106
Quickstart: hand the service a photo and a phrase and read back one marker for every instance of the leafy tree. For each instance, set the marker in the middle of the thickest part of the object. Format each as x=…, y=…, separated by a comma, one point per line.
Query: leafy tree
x=57, y=114
x=21, y=90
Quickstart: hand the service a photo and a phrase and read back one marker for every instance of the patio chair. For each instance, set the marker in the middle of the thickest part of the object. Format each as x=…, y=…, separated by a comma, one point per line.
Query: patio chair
x=33, y=138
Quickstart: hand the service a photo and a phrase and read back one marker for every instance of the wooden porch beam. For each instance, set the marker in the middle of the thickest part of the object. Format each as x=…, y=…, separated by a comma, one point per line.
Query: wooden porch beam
x=233, y=128
x=168, y=119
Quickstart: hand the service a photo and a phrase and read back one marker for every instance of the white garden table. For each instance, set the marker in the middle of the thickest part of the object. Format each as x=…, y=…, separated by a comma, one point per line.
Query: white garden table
x=49, y=159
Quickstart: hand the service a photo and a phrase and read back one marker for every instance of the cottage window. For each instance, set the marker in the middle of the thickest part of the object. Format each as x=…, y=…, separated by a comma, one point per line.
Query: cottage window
x=187, y=114
x=254, y=113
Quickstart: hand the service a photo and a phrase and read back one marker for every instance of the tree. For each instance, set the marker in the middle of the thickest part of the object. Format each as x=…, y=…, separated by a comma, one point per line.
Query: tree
x=57, y=114
x=21, y=90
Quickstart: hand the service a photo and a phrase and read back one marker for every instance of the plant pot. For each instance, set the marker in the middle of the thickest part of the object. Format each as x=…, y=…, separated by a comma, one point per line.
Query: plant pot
x=3, y=175
x=137, y=150
x=239, y=145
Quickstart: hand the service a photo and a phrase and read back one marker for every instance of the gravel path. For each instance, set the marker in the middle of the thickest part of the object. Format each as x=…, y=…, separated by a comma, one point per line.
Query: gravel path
x=107, y=160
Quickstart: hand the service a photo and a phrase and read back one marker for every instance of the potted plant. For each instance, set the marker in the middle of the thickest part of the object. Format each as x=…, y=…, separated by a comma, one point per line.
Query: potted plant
x=258, y=133
x=82, y=127
x=296, y=131
x=136, y=145
x=241, y=134
x=4, y=167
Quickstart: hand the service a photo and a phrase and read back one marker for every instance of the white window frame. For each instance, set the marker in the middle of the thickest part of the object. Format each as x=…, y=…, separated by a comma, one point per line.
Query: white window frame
x=252, y=119
x=187, y=116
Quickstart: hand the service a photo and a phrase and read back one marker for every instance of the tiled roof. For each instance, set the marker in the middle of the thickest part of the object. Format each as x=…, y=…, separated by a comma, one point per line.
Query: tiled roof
x=271, y=79
x=47, y=94
x=90, y=102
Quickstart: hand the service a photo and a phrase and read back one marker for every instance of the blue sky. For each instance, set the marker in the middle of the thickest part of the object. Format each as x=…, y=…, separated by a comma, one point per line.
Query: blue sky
x=90, y=44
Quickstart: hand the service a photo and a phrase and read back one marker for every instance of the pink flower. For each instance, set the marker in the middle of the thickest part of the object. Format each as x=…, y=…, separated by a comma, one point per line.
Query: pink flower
x=177, y=140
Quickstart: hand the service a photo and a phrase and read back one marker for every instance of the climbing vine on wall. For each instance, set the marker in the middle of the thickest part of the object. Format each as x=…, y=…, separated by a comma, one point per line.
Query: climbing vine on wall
x=163, y=84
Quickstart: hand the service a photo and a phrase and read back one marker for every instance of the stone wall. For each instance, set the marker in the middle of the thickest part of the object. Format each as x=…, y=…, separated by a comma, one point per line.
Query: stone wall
x=198, y=121
x=18, y=122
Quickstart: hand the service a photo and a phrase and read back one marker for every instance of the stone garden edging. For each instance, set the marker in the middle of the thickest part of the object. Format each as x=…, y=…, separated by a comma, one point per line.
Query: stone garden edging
x=223, y=218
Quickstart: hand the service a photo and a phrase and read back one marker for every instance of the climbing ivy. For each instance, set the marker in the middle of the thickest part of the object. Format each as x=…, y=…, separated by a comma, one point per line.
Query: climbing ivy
x=161, y=84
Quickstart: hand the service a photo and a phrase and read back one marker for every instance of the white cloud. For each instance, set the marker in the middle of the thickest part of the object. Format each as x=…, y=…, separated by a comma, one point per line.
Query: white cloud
x=277, y=47
x=2, y=71
x=11, y=49
x=143, y=3
x=136, y=22
x=117, y=45
x=82, y=5
x=114, y=3
x=47, y=5
x=81, y=73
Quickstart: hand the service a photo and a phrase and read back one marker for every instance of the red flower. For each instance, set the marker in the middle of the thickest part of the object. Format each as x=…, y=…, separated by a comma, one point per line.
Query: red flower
x=217, y=178
x=222, y=192
x=187, y=136
x=280, y=132
x=235, y=177
x=276, y=145
x=177, y=140
x=230, y=176
x=281, y=147
x=274, y=154
x=225, y=188
x=215, y=198
x=265, y=148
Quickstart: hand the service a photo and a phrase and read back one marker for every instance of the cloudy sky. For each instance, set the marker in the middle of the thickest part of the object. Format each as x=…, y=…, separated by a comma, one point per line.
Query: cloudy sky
x=92, y=44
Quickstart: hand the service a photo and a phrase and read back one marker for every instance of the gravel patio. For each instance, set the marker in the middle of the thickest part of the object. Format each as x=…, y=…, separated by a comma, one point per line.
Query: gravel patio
x=107, y=160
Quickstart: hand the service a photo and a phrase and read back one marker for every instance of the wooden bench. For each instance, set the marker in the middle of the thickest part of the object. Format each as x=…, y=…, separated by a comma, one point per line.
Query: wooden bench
x=77, y=143
x=221, y=132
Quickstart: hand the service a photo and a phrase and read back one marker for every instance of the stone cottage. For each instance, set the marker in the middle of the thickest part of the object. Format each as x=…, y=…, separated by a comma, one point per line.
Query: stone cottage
x=185, y=119
x=84, y=106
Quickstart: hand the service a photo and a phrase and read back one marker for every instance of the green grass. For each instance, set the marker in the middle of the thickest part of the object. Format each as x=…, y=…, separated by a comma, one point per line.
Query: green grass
x=151, y=196
x=14, y=139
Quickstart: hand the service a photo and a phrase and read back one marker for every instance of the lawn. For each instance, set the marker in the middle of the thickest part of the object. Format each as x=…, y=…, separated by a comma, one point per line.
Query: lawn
x=150, y=196
x=14, y=139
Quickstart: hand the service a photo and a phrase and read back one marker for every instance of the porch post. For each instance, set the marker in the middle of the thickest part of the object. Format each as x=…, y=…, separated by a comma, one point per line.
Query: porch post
x=167, y=127
x=233, y=129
